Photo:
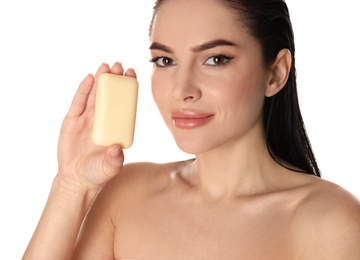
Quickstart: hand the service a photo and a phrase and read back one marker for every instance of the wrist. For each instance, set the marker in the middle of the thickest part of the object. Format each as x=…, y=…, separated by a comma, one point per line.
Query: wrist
x=72, y=190
x=65, y=210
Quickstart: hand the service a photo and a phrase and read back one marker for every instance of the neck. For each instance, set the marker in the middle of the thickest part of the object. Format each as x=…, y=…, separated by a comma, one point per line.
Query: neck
x=240, y=167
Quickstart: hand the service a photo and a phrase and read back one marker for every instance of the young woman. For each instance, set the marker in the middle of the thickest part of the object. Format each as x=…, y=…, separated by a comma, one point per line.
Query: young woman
x=224, y=82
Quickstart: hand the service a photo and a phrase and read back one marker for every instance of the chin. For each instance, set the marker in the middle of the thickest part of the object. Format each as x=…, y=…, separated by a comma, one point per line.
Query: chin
x=195, y=146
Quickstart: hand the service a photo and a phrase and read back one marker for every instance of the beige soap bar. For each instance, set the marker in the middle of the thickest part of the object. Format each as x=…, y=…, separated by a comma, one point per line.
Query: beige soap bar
x=115, y=110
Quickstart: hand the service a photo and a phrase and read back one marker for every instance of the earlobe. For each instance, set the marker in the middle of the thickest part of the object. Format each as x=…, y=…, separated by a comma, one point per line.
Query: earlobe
x=280, y=70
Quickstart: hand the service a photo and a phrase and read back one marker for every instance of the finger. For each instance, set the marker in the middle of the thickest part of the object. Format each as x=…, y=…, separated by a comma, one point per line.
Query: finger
x=113, y=161
x=130, y=72
x=104, y=68
x=90, y=105
x=117, y=68
x=78, y=104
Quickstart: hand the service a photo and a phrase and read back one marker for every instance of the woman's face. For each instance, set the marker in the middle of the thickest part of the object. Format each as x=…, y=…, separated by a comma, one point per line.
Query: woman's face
x=208, y=79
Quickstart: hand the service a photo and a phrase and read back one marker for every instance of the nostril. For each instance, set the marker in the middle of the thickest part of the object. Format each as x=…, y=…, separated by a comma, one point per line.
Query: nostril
x=186, y=91
x=189, y=98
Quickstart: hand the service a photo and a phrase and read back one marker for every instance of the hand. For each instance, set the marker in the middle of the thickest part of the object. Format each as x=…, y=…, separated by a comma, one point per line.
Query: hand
x=80, y=161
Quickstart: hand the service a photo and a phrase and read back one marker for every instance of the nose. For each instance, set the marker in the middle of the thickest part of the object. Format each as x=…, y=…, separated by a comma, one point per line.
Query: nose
x=186, y=86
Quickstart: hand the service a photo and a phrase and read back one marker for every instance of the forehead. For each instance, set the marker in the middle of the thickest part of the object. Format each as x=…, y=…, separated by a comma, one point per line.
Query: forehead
x=195, y=19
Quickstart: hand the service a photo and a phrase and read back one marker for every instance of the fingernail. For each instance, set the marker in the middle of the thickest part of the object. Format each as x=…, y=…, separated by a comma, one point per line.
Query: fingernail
x=116, y=151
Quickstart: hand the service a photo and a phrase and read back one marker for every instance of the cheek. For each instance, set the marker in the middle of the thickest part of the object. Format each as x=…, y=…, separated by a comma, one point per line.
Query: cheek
x=156, y=89
x=244, y=98
x=160, y=92
x=242, y=90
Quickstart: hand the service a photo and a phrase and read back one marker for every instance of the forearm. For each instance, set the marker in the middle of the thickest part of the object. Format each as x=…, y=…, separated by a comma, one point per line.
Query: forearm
x=59, y=225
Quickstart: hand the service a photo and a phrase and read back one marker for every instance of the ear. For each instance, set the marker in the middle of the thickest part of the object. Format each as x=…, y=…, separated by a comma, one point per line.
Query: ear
x=279, y=72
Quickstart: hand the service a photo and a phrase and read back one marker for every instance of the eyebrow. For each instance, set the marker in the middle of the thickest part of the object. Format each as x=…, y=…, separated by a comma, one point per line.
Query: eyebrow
x=212, y=44
x=160, y=47
x=198, y=48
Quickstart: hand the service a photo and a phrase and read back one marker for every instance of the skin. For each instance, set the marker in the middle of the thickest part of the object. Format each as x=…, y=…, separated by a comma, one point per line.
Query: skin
x=232, y=201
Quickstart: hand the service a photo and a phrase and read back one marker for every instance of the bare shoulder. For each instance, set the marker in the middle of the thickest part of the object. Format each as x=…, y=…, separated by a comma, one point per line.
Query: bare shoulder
x=328, y=222
x=330, y=197
x=139, y=180
x=130, y=189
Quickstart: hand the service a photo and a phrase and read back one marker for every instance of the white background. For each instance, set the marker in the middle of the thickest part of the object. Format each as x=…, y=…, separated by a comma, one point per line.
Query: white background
x=47, y=47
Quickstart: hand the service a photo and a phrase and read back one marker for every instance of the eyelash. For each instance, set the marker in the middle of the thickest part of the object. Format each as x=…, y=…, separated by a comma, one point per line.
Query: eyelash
x=221, y=56
x=155, y=60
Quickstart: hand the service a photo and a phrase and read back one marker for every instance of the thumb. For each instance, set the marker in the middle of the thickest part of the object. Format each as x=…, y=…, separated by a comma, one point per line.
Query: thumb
x=113, y=161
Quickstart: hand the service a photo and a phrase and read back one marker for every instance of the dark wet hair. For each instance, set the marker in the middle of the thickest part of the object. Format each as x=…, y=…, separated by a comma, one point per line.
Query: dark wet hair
x=268, y=21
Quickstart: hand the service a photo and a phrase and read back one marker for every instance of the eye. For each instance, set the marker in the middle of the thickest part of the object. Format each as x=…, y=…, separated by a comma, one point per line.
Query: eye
x=163, y=61
x=218, y=60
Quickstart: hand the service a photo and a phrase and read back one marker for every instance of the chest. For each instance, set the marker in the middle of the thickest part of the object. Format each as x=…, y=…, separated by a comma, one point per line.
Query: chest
x=182, y=231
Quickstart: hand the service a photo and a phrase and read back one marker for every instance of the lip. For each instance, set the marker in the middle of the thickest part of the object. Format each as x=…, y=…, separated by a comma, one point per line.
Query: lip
x=189, y=119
